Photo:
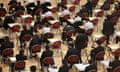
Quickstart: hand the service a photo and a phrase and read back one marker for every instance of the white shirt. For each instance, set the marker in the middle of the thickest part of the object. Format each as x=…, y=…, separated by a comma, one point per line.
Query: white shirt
x=78, y=18
x=46, y=30
x=47, y=0
x=88, y=25
x=49, y=13
x=65, y=12
x=30, y=1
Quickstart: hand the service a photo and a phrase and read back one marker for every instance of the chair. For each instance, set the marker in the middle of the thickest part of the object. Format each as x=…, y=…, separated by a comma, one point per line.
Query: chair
x=56, y=26
x=116, y=52
x=89, y=31
x=106, y=6
x=49, y=18
x=50, y=35
x=72, y=9
x=13, y=5
x=100, y=55
x=117, y=69
x=36, y=48
x=15, y=28
x=84, y=15
x=66, y=17
x=26, y=37
x=95, y=22
x=73, y=59
x=63, y=3
x=20, y=65
x=38, y=11
x=56, y=45
x=99, y=14
x=114, y=19
x=27, y=20
x=70, y=33
x=48, y=61
x=54, y=10
x=7, y=52
x=2, y=13
x=19, y=13
x=76, y=2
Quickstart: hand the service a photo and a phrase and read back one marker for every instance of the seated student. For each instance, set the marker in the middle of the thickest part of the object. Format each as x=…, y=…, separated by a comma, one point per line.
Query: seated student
x=96, y=50
x=115, y=63
x=71, y=51
x=92, y=66
x=45, y=54
x=38, y=6
x=21, y=56
x=6, y=44
x=35, y=40
x=24, y=32
x=12, y=3
x=30, y=7
x=64, y=67
x=19, y=7
x=8, y=19
x=2, y=9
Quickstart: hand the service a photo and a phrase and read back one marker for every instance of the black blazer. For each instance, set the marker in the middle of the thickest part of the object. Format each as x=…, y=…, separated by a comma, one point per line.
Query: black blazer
x=91, y=67
x=64, y=68
x=114, y=64
x=47, y=53
x=81, y=41
x=72, y=51
x=21, y=57
x=108, y=27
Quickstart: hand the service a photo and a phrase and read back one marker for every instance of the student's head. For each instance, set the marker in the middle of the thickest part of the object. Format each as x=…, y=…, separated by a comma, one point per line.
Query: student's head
x=21, y=51
x=33, y=68
x=38, y=2
x=19, y=3
x=99, y=42
x=6, y=38
x=1, y=5
x=47, y=47
x=116, y=57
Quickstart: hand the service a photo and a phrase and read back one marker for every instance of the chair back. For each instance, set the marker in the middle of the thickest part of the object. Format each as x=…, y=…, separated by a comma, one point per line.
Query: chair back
x=38, y=11
x=50, y=35
x=2, y=13
x=56, y=45
x=99, y=14
x=36, y=48
x=70, y=33
x=117, y=69
x=100, y=55
x=15, y=28
x=48, y=61
x=7, y=52
x=76, y=2
x=27, y=20
x=73, y=59
x=56, y=25
x=72, y=9
x=26, y=37
x=89, y=31
x=19, y=65
x=19, y=13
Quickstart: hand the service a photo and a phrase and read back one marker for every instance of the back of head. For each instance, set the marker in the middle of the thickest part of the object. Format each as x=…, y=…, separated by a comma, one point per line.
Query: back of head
x=47, y=47
x=33, y=68
x=21, y=51
x=116, y=57
x=1, y=5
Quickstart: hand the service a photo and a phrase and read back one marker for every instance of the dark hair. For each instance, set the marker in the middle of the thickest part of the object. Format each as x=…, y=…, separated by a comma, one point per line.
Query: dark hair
x=21, y=51
x=116, y=57
x=32, y=68
x=98, y=42
x=1, y=5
